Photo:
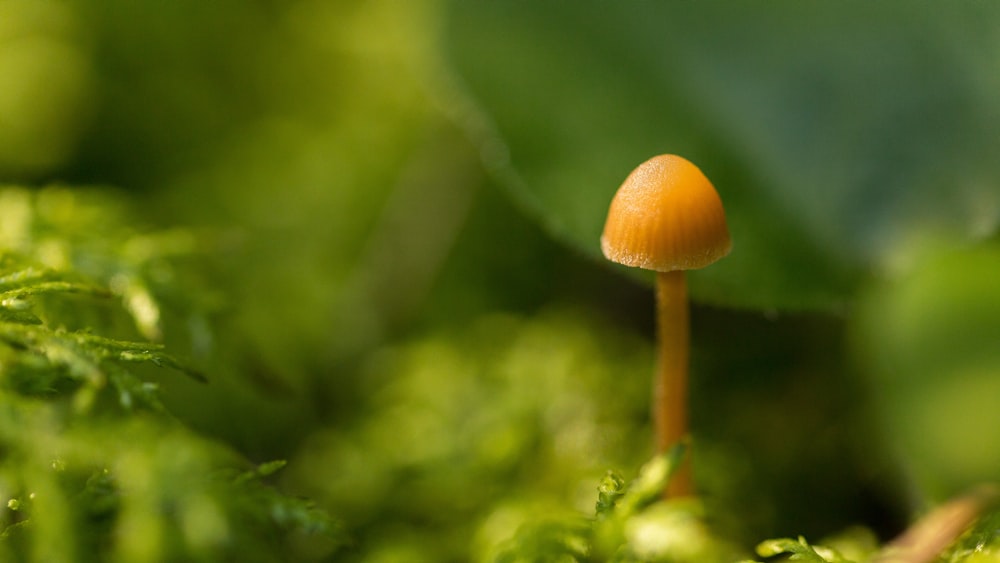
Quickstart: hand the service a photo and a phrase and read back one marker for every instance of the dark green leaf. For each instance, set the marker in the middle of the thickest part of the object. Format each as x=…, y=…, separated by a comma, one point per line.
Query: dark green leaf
x=832, y=131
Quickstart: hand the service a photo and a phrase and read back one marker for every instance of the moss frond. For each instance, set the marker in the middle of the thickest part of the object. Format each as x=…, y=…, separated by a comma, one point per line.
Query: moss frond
x=92, y=467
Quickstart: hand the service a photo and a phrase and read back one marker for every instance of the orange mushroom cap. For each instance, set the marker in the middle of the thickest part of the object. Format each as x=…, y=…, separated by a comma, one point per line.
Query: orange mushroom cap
x=666, y=216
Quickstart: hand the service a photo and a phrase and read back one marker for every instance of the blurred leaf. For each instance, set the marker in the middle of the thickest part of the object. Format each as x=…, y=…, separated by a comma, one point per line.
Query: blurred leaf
x=929, y=338
x=830, y=130
x=47, y=78
x=466, y=420
x=301, y=134
x=549, y=541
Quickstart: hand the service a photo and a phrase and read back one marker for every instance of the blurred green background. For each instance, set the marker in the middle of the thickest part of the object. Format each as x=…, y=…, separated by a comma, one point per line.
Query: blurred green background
x=402, y=201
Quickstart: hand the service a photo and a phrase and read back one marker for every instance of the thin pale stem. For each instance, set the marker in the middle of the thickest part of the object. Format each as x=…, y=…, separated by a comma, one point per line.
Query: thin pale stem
x=670, y=388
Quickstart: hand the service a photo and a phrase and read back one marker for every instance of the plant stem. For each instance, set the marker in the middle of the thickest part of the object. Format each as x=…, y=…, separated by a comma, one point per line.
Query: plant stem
x=670, y=388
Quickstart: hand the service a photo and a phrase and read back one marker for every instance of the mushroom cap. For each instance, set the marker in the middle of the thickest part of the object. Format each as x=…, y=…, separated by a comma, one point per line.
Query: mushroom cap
x=666, y=216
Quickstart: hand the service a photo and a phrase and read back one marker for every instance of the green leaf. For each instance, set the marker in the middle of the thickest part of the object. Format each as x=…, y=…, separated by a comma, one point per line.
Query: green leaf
x=831, y=131
x=609, y=491
x=799, y=550
x=928, y=336
x=42, y=357
x=981, y=544
x=652, y=480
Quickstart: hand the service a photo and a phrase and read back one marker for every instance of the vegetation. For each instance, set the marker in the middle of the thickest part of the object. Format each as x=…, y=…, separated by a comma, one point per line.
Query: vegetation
x=321, y=281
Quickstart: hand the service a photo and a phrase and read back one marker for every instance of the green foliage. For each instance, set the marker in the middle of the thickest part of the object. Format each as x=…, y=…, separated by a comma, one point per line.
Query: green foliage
x=609, y=492
x=825, y=157
x=635, y=524
x=85, y=235
x=477, y=431
x=929, y=335
x=800, y=550
x=981, y=544
x=43, y=358
x=632, y=524
x=375, y=233
x=963, y=530
x=48, y=79
x=135, y=489
x=554, y=541
x=93, y=467
x=843, y=196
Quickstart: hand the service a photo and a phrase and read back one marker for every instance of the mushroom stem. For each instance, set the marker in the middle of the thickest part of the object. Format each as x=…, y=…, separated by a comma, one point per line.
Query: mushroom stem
x=670, y=388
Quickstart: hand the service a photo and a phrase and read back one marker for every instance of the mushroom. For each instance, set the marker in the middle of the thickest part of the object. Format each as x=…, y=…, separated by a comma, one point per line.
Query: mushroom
x=667, y=217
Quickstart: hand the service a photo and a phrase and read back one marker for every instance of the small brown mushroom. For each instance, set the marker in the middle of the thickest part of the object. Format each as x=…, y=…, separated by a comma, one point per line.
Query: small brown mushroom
x=667, y=217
